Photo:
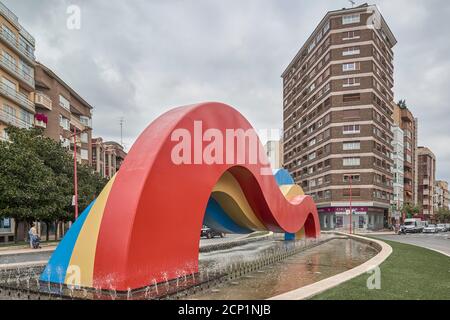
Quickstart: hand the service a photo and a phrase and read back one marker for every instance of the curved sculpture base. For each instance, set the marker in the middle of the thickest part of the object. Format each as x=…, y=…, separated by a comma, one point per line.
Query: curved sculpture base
x=120, y=242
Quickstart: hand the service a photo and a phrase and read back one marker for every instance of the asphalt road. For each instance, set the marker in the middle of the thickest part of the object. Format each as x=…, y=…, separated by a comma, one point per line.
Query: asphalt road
x=45, y=256
x=438, y=241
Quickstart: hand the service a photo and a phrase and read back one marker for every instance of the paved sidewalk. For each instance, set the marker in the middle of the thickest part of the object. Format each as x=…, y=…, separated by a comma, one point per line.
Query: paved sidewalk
x=10, y=252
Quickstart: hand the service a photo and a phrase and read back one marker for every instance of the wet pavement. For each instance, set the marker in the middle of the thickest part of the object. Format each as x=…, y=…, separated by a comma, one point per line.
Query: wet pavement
x=312, y=265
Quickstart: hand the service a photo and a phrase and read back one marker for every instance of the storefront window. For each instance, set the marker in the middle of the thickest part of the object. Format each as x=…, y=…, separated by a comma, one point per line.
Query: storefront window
x=339, y=222
x=5, y=224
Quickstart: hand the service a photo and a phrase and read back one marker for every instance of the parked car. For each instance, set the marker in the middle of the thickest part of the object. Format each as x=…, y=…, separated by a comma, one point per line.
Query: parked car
x=447, y=225
x=431, y=229
x=209, y=233
x=413, y=226
x=441, y=227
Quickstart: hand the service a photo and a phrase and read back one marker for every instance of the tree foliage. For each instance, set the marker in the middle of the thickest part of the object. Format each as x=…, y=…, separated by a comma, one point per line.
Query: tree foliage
x=36, y=179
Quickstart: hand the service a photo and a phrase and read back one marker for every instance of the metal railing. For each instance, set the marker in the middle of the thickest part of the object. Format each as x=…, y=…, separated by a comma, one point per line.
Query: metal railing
x=16, y=45
x=13, y=120
x=9, y=14
x=14, y=68
x=17, y=96
x=15, y=21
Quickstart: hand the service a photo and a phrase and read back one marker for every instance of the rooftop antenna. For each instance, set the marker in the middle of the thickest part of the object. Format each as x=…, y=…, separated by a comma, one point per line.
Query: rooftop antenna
x=353, y=3
x=121, y=122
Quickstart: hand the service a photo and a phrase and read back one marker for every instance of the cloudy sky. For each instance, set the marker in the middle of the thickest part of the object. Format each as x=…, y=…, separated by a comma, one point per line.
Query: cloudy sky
x=138, y=58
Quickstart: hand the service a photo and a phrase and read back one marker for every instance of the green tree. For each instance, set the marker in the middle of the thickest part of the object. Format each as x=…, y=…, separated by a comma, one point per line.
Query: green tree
x=443, y=215
x=36, y=180
x=410, y=210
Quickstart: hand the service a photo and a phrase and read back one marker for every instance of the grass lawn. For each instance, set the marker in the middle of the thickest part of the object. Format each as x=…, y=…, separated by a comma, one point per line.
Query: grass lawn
x=410, y=273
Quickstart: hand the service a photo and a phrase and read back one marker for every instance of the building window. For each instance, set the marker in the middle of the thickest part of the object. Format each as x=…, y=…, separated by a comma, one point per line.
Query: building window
x=346, y=67
x=86, y=121
x=84, y=137
x=354, y=178
x=64, y=123
x=9, y=34
x=355, y=97
x=84, y=154
x=351, y=51
x=351, y=162
x=8, y=58
x=10, y=86
x=352, y=146
x=351, y=35
x=63, y=102
x=26, y=117
x=351, y=18
x=351, y=82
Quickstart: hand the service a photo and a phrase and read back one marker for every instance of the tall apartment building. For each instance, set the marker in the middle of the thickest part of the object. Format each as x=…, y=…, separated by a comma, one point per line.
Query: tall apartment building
x=60, y=110
x=441, y=195
x=107, y=157
x=274, y=151
x=426, y=181
x=16, y=72
x=398, y=171
x=16, y=86
x=404, y=118
x=338, y=117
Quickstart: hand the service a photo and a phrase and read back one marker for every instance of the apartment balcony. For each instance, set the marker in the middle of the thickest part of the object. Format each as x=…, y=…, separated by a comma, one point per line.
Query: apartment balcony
x=407, y=188
x=40, y=120
x=75, y=122
x=17, y=97
x=43, y=100
x=15, y=45
x=426, y=192
x=426, y=181
x=408, y=175
x=13, y=120
x=40, y=124
x=16, y=72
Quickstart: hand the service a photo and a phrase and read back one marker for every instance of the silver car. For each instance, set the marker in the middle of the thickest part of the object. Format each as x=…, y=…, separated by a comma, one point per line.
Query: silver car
x=430, y=229
x=441, y=228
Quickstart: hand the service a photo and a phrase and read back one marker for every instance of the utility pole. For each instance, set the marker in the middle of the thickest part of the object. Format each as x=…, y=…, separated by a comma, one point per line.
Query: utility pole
x=121, y=122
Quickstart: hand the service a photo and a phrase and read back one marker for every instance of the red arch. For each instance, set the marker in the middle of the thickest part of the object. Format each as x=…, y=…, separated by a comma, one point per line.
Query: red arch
x=152, y=195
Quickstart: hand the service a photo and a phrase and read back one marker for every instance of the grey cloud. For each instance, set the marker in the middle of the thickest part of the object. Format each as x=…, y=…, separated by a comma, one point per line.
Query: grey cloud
x=138, y=58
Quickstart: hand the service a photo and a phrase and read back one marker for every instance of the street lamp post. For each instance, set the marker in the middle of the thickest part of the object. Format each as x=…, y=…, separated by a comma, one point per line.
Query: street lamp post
x=75, y=176
x=351, y=209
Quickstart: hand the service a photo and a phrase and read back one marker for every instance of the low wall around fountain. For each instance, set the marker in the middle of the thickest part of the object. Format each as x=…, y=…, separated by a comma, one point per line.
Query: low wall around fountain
x=307, y=292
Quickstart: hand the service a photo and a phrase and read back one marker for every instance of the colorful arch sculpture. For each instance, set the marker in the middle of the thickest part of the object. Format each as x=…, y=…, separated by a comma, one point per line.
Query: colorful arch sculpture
x=120, y=241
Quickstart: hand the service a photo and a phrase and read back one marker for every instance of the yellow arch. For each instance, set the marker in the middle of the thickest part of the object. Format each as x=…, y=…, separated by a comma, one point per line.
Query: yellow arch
x=228, y=193
x=84, y=251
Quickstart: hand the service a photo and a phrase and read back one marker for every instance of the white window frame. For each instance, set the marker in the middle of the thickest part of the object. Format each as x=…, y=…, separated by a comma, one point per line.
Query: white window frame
x=351, y=19
x=348, y=146
x=351, y=162
x=351, y=51
x=84, y=154
x=351, y=38
x=354, y=131
x=351, y=82
x=63, y=101
x=347, y=67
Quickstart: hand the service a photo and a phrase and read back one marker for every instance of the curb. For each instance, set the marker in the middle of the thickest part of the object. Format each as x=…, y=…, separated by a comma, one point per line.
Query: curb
x=234, y=243
x=314, y=289
x=9, y=266
x=26, y=251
